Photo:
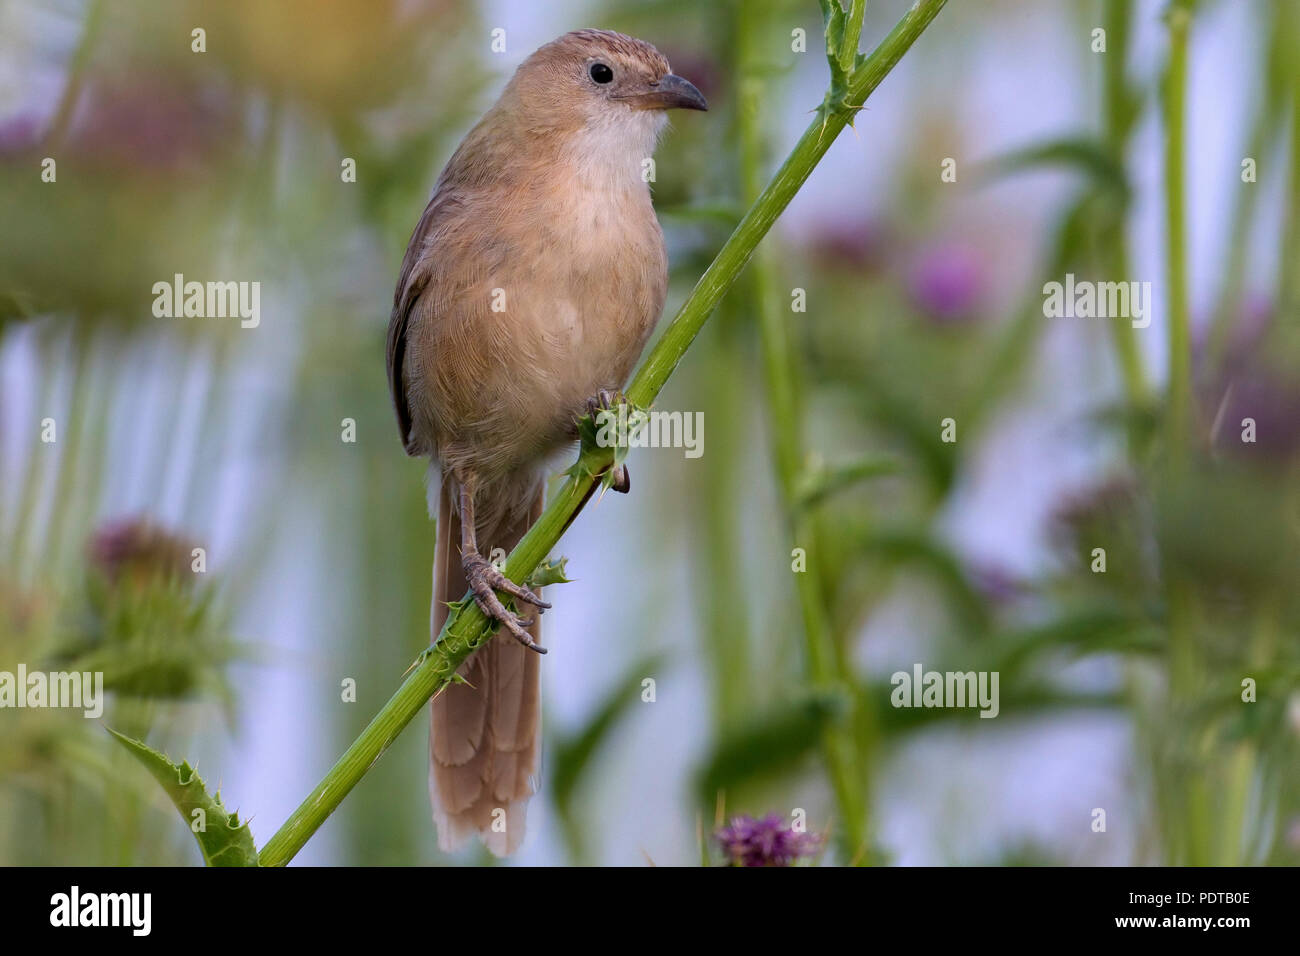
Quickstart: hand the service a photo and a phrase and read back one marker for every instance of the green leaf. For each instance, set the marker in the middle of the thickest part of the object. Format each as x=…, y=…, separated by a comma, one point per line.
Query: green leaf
x=1095, y=628
x=1084, y=153
x=550, y=571
x=610, y=428
x=587, y=432
x=836, y=21
x=909, y=545
x=769, y=746
x=573, y=754
x=820, y=481
x=224, y=840
x=1015, y=700
x=895, y=409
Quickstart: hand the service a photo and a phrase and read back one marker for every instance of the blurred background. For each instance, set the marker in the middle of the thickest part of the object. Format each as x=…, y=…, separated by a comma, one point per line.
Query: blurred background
x=1120, y=690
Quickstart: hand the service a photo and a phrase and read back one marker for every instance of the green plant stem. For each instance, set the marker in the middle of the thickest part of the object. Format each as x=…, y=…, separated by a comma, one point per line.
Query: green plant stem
x=723, y=385
x=66, y=108
x=1118, y=123
x=1268, y=123
x=466, y=627
x=1192, y=825
x=1178, y=423
x=725, y=392
x=807, y=153
x=1288, y=24
x=1179, y=399
x=825, y=667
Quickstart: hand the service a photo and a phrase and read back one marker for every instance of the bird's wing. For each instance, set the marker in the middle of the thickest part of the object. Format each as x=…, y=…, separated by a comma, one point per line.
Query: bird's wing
x=411, y=282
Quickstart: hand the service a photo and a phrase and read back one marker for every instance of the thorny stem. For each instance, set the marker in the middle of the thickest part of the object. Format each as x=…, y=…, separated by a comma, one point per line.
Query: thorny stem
x=466, y=628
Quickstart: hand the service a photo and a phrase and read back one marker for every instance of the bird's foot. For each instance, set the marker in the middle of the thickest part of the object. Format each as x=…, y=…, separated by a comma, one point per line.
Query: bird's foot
x=484, y=581
x=603, y=401
x=620, y=478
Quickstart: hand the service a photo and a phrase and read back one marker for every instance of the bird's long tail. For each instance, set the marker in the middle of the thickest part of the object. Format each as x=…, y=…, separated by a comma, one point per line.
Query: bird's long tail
x=484, y=741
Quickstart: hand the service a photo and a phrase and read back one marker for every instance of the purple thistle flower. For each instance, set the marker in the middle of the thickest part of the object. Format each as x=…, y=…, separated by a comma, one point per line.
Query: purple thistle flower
x=136, y=550
x=1250, y=384
x=154, y=122
x=856, y=244
x=946, y=283
x=18, y=134
x=765, y=842
x=1272, y=401
x=997, y=583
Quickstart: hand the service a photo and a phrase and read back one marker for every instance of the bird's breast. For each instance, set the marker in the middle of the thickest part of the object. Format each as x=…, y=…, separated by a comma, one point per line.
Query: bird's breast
x=603, y=281
x=588, y=302
x=576, y=274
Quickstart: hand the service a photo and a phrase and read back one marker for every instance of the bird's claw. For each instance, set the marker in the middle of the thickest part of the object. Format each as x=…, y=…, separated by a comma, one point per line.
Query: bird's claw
x=620, y=479
x=484, y=581
x=602, y=401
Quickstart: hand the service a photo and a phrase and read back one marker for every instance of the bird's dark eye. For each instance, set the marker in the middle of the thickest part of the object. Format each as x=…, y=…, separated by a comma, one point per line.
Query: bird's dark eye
x=601, y=73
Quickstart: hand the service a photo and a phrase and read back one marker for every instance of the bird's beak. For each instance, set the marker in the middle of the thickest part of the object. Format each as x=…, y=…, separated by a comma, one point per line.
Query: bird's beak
x=667, y=93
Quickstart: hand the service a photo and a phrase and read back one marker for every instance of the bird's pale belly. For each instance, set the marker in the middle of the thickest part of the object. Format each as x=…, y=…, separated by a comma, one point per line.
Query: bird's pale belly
x=569, y=318
x=574, y=355
x=536, y=370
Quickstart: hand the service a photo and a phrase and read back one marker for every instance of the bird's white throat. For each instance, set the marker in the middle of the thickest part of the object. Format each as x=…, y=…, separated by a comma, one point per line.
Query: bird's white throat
x=615, y=150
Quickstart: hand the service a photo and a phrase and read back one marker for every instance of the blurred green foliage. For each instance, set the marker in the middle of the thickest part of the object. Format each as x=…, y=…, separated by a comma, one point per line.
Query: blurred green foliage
x=228, y=165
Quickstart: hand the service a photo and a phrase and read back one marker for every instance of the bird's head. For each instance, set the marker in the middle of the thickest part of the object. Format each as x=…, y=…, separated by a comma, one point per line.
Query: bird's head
x=601, y=82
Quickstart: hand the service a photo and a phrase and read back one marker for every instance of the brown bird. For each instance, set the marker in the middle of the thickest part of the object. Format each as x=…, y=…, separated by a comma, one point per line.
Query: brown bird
x=529, y=288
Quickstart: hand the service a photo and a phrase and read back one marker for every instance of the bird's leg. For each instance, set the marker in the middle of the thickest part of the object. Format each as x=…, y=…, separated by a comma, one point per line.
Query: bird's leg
x=621, y=479
x=485, y=580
